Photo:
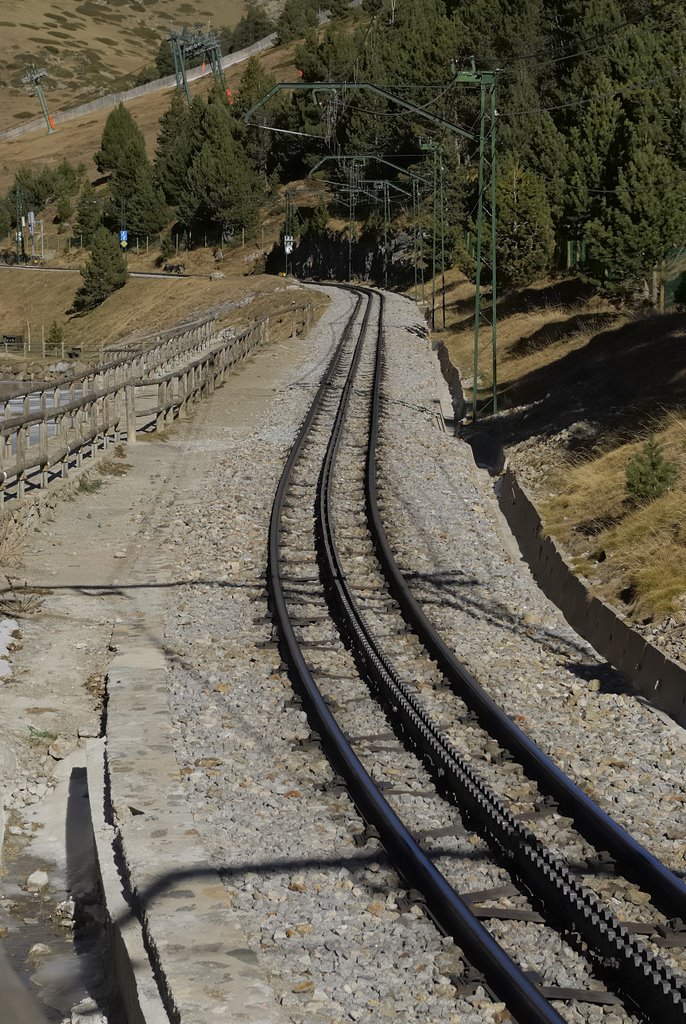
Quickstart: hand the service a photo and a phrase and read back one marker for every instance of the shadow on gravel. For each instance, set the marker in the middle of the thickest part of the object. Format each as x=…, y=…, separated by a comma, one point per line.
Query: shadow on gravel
x=449, y=589
x=357, y=862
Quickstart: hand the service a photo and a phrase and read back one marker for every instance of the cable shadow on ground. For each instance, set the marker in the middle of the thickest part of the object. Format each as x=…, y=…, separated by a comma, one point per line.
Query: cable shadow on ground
x=448, y=588
x=355, y=863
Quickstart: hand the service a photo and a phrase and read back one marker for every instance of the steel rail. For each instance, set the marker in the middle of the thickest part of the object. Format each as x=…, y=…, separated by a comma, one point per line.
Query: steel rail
x=507, y=980
x=667, y=889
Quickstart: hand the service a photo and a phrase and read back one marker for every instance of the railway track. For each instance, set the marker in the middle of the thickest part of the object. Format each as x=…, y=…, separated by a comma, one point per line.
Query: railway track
x=397, y=714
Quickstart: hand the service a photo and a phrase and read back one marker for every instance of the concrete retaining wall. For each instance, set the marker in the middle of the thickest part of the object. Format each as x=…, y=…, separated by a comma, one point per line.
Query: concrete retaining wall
x=659, y=679
x=452, y=378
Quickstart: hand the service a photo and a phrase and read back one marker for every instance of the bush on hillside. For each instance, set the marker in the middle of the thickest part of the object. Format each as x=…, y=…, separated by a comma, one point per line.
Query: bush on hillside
x=648, y=474
x=104, y=272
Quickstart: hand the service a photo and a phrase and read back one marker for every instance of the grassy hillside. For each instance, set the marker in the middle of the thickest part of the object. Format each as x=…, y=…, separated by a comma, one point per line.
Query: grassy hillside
x=79, y=139
x=90, y=47
x=141, y=307
x=582, y=385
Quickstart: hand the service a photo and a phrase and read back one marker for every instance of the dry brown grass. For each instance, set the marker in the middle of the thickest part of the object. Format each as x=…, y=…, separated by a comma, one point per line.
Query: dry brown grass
x=585, y=354
x=89, y=48
x=528, y=338
x=639, y=553
x=142, y=306
x=78, y=140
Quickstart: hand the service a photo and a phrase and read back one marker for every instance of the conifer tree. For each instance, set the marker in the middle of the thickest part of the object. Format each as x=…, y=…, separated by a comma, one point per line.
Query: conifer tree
x=55, y=337
x=296, y=19
x=640, y=223
x=121, y=139
x=133, y=191
x=221, y=187
x=88, y=214
x=177, y=143
x=255, y=24
x=525, y=230
x=255, y=82
x=103, y=273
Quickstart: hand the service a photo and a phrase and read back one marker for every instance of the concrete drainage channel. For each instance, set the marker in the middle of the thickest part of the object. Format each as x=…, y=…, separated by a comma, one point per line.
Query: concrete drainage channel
x=80, y=942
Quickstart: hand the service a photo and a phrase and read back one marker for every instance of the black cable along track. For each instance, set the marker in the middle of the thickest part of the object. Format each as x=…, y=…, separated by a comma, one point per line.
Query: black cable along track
x=648, y=980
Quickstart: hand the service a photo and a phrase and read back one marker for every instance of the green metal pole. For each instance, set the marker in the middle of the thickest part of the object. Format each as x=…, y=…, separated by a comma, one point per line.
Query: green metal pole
x=479, y=230
x=433, y=252
x=386, y=218
x=351, y=231
x=414, y=235
x=494, y=252
x=442, y=235
x=44, y=107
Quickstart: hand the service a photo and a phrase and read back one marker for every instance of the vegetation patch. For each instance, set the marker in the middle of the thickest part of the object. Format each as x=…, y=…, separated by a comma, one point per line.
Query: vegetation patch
x=87, y=486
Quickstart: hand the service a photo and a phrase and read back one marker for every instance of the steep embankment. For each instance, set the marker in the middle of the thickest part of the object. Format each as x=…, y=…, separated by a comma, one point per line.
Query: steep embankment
x=582, y=385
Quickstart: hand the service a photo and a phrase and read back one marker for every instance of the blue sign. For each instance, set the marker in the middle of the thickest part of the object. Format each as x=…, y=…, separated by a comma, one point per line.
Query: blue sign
x=123, y=236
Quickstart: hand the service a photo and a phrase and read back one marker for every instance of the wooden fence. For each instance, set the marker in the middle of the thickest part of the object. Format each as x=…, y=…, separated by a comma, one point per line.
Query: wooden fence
x=58, y=426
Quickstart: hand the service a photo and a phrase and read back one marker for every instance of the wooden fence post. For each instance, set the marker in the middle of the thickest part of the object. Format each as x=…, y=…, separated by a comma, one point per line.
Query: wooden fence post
x=130, y=414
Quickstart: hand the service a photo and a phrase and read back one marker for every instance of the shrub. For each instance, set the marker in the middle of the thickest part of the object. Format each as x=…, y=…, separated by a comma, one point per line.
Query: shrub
x=104, y=272
x=648, y=474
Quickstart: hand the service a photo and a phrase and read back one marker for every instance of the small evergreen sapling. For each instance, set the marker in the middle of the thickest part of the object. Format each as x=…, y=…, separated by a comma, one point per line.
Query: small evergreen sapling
x=648, y=474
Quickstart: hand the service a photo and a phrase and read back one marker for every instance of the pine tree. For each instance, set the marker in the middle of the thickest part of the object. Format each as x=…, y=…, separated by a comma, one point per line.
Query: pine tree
x=319, y=219
x=5, y=218
x=597, y=145
x=641, y=223
x=649, y=474
x=525, y=229
x=103, y=273
x=255, y=83
x=133, y=191
x=221, y=187
x=55, y=337
x=255, y=24
x=164, y=60
x=178, y=141
x=296, y=19
x=121, y=140
x=88, y=214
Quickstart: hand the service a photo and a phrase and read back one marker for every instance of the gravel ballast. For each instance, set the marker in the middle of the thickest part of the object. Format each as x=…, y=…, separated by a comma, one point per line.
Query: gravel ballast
x=321, y=912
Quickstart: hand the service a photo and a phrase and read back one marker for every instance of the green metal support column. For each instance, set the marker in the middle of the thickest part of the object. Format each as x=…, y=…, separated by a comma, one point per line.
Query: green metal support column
x=433, y=246
x=33, y=78
x=386, y=232
x=479, y=231
x=44, y=107
x=415, y=215
x=442, y=201
x=494, y=252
